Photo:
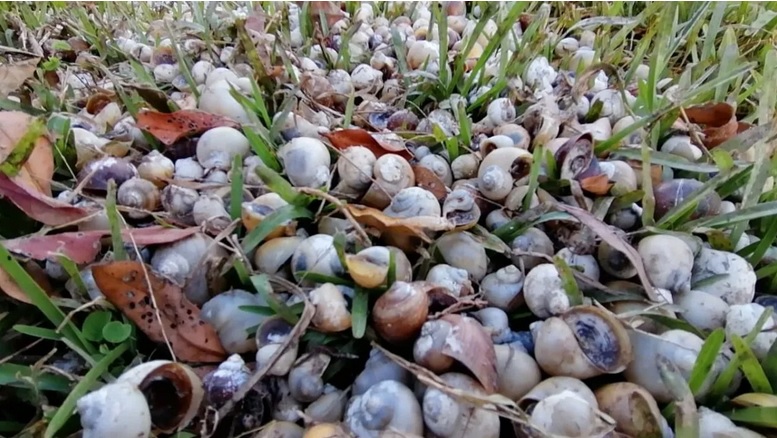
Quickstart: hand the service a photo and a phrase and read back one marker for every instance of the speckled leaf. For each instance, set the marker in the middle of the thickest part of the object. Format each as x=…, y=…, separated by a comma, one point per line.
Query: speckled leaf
x=428, y=180
x=169, y=128
x=124, y=284
x=346, y=138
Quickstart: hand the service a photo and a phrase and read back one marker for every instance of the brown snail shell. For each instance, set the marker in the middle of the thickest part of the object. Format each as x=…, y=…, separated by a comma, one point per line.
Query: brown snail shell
x=401, y=311
x=156, y=379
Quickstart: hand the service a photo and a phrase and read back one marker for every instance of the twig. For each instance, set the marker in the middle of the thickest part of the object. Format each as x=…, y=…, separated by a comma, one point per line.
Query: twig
x=695, y=134
x=292, y=339
x=341, y=207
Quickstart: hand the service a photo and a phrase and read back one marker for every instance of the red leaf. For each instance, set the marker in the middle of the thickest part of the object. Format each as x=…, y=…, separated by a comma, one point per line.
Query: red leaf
x=38, y=206
x=346, y=138
x=428, y=180
x=168, y=128
x=83, y=247
x=124, y=285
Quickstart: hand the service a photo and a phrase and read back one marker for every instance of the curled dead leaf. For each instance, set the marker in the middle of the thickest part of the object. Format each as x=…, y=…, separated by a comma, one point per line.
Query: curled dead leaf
x=719, y=119
x=83, y=246
x=13, y=75
x=603, y=230
x=36, y=166
x=346, y=138
x=413, y=226
x=125, y=285
x=170, y=127
x=98, y=101
x=428, y=180
x=330, y=10
x=38, y=206
x=469, y=343
x=9, y=286
x=597, y=184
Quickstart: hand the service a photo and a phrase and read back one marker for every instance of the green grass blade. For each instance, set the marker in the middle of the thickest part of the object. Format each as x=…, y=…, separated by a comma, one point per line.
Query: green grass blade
x=41, y=300
x=273, y=220
x=114, y=219
x=67, y=408
x=750, y=366
x=706, y=359
x=359, y=310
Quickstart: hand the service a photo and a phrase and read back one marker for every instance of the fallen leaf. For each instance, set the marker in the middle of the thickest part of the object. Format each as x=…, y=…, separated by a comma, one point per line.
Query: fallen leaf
x=126, y=286
x=36, y=166
x=154, y=97
x=38, y=206
x=411, y=226
x=256, y=19
x=170, y=127
x=12, y=76
x=83, y=246
x=428, y=180
x=470, y=344
x=9, y=286
x=603, y=230
x=346, y=138
x=720, y=120
x=597, y=184
x=331, y=11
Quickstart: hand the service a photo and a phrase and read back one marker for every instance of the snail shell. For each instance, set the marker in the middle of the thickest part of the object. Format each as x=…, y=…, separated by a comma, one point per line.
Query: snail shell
x=401, y=311
x=679, y=347
x=218, y=147
x=222, y=383
x=544, y=292
x=413, y=202
x=392, y=173
x=461, y=208
x=156, y=168
x=634, y=410
x=668, y=262
x=331, y=309
x=583, y=342
x=273, y=254
x=140, y=194
x=231, y=323
x=736, y=284
x=502, y=288
x=157, y=380
x=377, y=369
x=270, y=336
x=517, y=371
x=369, y=267
x=355, y=168
x=253, y=213
x=454, y=280
x=386, y=406
x=461, y=250
x=316, y=254
x=306, y=162
x=447, y=417
x=531, y=240
x=305, y=382
x=117, y=410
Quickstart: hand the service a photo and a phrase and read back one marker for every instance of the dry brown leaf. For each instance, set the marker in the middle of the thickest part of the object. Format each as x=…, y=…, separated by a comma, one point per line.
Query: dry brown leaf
x=9, y=286
x=470, y=344
x=38, y=206
x=37, y=171
x=170, y=127
x=719, y=119
x=346, y=138
x=83, y=246
x=597, y=184
x=12, y=76
x=603, y=230
x=331, y=11
x=413, y=226
x=428, y=180
x=124, y=285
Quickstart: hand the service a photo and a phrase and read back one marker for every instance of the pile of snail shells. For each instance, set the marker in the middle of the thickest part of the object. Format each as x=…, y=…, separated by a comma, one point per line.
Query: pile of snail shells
x=546, y=369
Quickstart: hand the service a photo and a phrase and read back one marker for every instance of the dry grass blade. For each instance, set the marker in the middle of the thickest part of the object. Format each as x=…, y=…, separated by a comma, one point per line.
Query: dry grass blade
x=497, y=403
x=294, y=336
x=603, y=231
